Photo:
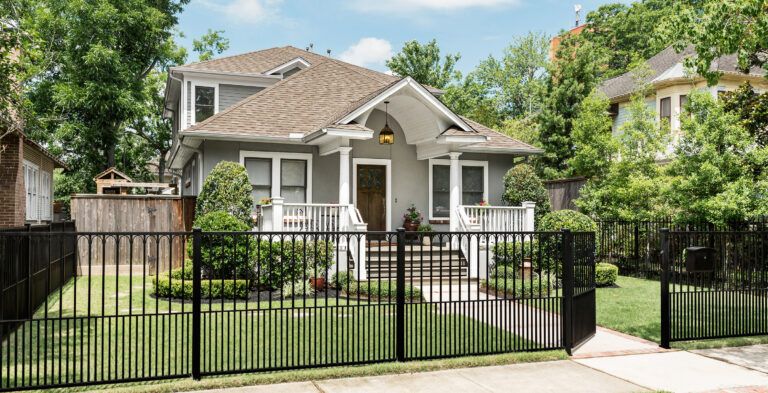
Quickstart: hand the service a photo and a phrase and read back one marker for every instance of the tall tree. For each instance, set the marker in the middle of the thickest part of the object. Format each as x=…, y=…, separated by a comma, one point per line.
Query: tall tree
x=210, y=44
x=515, y=81
x=752, y=109
x=628, y=32
x=102, y=52
x=573, y=74
x=423, y=63
x=721, y=27
x=594, y=146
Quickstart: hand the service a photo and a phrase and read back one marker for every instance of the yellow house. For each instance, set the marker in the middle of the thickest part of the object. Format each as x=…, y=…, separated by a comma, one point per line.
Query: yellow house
x=670, y=84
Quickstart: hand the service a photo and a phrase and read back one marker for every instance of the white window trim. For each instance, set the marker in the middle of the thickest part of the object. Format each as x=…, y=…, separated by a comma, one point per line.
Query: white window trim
x=375, y=161
x=462, y=163
x=215, y=86
x=276, y=158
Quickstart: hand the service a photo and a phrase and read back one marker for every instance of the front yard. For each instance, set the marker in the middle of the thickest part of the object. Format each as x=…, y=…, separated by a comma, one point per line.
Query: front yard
x=634, y=308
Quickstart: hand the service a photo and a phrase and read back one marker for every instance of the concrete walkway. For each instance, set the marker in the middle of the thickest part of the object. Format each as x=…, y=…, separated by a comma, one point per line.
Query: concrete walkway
x=559, y=376
x=754, y=357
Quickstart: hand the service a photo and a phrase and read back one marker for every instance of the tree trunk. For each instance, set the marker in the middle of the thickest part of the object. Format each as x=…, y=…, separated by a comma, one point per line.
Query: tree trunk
x=110, y=155
x=161, y=167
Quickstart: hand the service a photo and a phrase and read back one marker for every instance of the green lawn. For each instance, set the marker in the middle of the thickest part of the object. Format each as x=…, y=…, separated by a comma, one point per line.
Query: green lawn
x=130, y=334
x=634, y=308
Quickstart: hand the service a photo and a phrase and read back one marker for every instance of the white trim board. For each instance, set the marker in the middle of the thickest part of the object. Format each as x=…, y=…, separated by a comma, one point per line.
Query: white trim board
x=375, y=161
x=462, y=163
x=276, y=158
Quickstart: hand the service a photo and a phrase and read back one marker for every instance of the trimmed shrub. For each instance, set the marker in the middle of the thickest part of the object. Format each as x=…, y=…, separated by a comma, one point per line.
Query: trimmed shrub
x=297, y=289
x=225, y=256
x=606, y=274
x=227, y=189
x=375, y=290
x=567, y=219
x=340, y=280
x=520, y=288
x=508, y=257
x=287, y=261
x=521, y=185
x=163, y=287
x=551, y=248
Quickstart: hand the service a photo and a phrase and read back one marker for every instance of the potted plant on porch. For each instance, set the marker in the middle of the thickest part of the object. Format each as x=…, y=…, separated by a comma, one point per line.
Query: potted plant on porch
x=412, y=219
x=425, y=230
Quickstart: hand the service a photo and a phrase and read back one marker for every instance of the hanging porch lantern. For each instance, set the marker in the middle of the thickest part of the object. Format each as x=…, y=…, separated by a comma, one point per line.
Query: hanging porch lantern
x=386, y=135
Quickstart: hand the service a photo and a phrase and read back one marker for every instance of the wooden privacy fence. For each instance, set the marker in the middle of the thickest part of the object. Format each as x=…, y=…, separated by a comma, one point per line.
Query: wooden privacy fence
x=31, y=267
x=155, y=215
x=563, y=192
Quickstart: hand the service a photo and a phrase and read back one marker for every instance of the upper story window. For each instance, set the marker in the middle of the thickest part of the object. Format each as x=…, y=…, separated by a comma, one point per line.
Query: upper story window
x=665, y=110
x=205, y=102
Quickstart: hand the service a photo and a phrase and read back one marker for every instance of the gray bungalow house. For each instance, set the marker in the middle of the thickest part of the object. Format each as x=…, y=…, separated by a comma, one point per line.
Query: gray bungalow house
x=308, y=129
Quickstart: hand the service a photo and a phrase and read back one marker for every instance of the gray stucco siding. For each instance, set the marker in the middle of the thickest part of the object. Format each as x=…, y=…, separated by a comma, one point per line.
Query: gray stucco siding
x=232, y=94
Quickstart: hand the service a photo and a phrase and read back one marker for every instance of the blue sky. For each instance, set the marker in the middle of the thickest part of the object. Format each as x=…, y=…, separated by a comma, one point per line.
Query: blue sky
x=367, y=32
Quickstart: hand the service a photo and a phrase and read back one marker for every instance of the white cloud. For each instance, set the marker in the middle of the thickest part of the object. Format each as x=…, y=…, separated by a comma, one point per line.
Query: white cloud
x=369, y=51
x=402, y=6
x=246, y=10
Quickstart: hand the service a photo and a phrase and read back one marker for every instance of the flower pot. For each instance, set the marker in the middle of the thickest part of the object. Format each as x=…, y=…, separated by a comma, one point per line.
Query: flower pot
x=411, y=226
x=318, y=283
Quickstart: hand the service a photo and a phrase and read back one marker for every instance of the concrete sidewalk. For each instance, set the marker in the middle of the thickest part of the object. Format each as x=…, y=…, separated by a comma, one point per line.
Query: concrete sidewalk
x=558, y=376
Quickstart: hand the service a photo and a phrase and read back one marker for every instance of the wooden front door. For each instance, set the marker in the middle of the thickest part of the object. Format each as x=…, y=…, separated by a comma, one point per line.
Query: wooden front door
x=372, y=195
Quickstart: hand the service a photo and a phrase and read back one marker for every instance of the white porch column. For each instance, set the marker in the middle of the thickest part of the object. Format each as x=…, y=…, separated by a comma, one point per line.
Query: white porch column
x=277, y=214
x=344, y=175
x=455, y=200
x=528, y=219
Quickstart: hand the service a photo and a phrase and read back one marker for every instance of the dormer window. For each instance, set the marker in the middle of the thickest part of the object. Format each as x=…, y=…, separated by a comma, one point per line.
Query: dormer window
x=205, y=102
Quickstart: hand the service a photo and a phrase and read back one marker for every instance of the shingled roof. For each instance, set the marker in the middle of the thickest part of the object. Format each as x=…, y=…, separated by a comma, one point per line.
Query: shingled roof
x=314, y=98
x=626, y=84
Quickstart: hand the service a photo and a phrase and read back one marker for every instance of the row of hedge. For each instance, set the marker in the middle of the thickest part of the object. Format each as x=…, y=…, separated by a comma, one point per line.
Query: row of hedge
x=373, y=290
x=164, y=287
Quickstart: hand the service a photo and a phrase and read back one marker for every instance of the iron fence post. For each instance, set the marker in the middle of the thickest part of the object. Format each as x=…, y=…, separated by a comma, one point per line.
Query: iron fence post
x=665, y=314
x=400, y=297
x=196, y=300
x=567, y=313
x=637, y=242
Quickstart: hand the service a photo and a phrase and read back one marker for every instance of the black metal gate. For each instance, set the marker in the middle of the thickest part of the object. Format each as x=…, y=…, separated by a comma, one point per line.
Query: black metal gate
x=579, y=303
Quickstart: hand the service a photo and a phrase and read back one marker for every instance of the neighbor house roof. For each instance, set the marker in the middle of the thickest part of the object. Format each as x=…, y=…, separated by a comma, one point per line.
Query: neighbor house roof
x=310, y=100
x=662, y=66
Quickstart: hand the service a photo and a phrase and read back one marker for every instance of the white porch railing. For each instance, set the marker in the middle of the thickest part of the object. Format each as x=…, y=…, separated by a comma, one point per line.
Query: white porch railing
x=492, y=219
x=320, y=217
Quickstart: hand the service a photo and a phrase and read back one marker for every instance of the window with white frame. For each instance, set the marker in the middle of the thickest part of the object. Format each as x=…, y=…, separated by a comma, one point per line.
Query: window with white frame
x=473, y=185
x=205, y=102
x=288, y=175
x=38, y=186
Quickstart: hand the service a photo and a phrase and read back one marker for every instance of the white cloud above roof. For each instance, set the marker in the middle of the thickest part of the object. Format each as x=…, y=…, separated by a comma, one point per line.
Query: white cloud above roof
x=368, y=52
x=403, y=6
x=245, y=10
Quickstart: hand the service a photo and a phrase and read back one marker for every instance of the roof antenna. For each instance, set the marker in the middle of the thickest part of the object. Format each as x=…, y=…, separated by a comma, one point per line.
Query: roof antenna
x=328, y=51
x=577, y=8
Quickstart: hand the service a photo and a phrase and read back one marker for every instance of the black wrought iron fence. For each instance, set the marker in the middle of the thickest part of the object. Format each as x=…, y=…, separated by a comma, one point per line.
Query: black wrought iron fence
x=714, y=284
x=634, y=246
x=139, y=306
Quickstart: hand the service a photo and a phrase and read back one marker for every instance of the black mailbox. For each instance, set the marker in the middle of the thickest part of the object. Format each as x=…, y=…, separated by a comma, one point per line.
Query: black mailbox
x=700, y=259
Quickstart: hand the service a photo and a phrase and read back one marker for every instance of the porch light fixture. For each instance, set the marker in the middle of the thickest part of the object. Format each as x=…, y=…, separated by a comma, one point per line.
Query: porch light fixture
x=386, y=136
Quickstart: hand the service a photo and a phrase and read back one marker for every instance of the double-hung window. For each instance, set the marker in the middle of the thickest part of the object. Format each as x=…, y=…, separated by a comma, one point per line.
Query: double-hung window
x=288, y=175
x=472, y=183
x=665, y=110
x=205, y=102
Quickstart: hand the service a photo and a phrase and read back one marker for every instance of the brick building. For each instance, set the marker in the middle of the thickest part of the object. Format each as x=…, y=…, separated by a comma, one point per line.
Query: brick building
x=26, y=181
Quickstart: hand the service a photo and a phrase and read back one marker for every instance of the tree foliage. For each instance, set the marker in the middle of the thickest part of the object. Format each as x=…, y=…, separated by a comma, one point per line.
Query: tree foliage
x=594, y=146
x=573, y=74
x=752, y=109
x=210, y=44
x=719, y=28
x=716, y=175
x=423, y=63
x=522, y=185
